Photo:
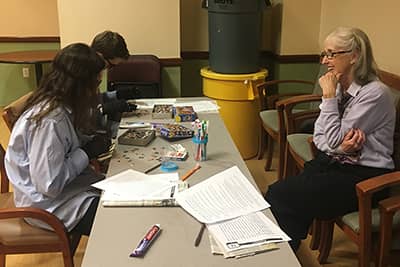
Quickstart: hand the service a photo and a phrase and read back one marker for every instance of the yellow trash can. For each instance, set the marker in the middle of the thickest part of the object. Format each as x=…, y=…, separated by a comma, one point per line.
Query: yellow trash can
x=237, y=96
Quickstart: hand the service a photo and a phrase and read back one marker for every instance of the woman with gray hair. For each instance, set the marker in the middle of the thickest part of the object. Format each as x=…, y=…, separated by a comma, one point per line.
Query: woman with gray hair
x=353, y=133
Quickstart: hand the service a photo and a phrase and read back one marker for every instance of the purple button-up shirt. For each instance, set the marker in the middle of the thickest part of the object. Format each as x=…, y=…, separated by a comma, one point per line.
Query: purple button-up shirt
x=370, y=109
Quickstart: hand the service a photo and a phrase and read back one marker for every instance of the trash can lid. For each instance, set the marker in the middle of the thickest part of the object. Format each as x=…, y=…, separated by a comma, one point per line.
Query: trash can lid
x=208, y=73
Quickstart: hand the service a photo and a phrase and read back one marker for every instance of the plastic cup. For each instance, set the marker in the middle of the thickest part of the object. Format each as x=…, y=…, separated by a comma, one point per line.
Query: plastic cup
x=200, y=151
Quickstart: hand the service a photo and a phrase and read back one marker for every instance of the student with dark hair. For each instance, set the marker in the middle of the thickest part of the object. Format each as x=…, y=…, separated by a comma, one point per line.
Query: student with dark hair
x=47, y=161
x=113, y=49
x=353, y=133
x=111, y=46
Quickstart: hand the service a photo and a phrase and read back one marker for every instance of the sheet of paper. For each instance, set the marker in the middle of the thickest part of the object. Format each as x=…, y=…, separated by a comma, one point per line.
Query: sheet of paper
x=246, y=231
x=150, y=102
x=201, y=106
x=217, y=249
x=223, y=196
x=131, y=184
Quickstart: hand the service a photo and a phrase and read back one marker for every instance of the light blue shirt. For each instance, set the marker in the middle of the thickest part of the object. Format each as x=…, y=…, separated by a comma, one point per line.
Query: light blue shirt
x=370, y=109
x=48, y=169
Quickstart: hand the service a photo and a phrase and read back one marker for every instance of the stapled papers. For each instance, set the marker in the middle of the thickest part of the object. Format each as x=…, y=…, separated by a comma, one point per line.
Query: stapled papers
x=231, y=208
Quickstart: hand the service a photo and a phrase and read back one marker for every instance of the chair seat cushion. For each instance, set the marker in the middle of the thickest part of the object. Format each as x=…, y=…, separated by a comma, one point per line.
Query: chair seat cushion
x=299, y=144
x=16, y=231
x=270, y=119
x=352, y=220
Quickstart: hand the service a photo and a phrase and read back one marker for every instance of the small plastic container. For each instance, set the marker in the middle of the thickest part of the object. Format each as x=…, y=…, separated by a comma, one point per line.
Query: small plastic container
x=200, y=151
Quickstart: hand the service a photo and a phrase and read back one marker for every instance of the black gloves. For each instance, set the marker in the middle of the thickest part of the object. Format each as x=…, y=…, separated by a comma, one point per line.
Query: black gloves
x=116, y=106
x=127, y=93
x=98, y=145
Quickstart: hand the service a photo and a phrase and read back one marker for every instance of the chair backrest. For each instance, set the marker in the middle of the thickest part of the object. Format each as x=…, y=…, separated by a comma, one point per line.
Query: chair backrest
x=5, y=184
x=10, y=115
x=141, y=71
x=12, y=111
x=393, y=81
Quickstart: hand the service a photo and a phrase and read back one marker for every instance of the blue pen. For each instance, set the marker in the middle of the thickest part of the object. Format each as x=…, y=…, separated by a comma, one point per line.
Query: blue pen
x=145, y=243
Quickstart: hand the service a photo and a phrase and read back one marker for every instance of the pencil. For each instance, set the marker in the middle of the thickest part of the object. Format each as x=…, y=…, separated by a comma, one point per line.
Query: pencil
x=152, y=168
x=190, y=172
x=199, y=235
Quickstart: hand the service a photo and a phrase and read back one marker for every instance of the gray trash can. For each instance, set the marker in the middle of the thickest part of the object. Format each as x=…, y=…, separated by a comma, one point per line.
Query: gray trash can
x=234, y=35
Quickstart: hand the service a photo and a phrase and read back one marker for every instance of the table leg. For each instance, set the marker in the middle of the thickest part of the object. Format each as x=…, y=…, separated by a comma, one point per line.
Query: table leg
x=39, y=72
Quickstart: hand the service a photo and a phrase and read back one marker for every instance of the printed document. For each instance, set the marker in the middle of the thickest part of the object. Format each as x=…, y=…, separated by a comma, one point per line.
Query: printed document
x=246, y=231
x=224, y=196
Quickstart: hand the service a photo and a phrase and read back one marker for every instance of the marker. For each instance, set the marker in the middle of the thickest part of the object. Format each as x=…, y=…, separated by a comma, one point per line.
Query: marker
x=145, y=243
x=191, y=171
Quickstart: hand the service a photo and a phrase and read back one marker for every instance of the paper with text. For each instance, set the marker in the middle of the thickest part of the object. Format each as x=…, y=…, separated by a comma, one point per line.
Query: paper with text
x=223, y=196
x=246, y=231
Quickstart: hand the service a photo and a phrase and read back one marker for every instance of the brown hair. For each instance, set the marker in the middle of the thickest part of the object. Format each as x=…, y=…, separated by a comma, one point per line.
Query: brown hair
x=72, y=82
x=111, y=45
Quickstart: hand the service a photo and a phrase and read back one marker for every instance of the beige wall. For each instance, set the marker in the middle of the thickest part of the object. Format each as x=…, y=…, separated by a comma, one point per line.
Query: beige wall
x=379, y=19
x=300, y=27
x=24, y=18
x=194, y=26
x=149, y=27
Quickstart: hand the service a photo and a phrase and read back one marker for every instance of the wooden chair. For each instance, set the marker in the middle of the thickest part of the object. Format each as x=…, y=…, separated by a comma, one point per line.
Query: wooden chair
x=273, y=125
x=387, y=209
x=17, y=236
x=298, y=149
x=363, y=226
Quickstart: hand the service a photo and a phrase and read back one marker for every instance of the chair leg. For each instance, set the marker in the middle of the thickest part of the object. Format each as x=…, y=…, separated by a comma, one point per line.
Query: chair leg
x=2, y=260
x=261, y=143
x=281, y=157
x=68, y=259
x=315, y=234
x=288, y=166
x=326, y=240
x=385, y=239
x=74, y=239
x=270, y=151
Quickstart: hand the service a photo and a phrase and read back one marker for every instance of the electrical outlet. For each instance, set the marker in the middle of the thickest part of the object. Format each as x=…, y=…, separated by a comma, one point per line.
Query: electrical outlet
x=25, y=72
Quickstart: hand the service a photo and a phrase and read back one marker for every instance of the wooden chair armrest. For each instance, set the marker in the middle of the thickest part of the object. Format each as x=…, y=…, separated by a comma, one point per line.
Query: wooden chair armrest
x=390, y=205
x=272, y=82
x=267, y=100
x=36, y=213
x=292, y=101
x=378, y=183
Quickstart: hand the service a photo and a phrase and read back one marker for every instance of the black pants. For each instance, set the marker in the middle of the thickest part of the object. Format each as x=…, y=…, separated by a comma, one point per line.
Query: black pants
x=324, y=190
x=85, y=224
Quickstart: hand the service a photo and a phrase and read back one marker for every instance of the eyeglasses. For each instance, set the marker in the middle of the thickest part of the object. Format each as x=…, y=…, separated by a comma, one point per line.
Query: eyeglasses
x=110, y=65
x=331, y=55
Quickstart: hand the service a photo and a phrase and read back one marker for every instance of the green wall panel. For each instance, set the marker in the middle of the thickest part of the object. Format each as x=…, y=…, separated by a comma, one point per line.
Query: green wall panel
x=12, y=84
x=171, y=81
x=296, y=71
x=192, y=84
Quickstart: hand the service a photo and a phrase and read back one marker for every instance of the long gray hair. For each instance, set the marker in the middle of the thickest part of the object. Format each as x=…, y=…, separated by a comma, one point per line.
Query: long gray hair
x=354, y=39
